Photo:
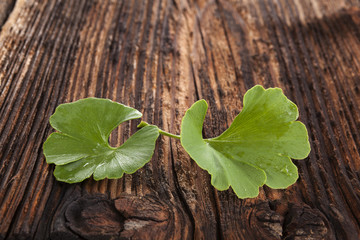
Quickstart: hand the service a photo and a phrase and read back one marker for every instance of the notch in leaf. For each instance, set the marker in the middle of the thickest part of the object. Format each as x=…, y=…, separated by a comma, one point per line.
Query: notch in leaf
x=80, y=148
x=256, y=148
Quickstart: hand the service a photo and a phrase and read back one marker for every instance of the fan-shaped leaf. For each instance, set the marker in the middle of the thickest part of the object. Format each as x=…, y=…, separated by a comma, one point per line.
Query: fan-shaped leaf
x=256, y=148
x=80, y=148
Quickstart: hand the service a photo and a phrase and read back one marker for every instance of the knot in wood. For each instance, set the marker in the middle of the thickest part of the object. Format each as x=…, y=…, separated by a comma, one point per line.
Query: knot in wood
x=304, y=222
x=94, y=217
x=128, y=217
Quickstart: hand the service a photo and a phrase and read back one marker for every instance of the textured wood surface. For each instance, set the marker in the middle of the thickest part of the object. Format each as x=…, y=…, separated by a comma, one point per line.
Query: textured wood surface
x=160, y=56
x=5, y=8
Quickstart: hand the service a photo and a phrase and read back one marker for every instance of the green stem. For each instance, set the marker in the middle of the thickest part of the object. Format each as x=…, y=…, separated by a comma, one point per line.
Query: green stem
x=169, y=134
x=143, y=124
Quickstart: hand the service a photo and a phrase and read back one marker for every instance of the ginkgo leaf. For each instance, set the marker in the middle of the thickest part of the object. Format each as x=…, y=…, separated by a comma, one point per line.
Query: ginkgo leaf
x=81, y=147
x=256, y=149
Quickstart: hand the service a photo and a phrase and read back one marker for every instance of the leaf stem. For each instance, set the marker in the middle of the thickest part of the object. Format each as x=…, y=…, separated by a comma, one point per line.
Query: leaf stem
x=169, y=134
x=143, y=124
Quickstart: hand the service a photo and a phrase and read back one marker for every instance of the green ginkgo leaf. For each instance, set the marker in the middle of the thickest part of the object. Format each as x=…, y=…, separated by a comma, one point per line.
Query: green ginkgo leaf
x=256, y=149
x=80, y=148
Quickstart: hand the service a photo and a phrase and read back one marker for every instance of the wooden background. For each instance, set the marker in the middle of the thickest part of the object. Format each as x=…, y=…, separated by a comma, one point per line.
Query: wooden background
x=160, y=56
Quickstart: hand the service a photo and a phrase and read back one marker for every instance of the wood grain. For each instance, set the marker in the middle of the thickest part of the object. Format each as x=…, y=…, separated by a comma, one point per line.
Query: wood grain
x=160, y=56
x=6, y=7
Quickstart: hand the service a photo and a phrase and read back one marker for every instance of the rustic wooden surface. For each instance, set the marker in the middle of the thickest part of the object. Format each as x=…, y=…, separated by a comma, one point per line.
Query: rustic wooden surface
x=160, y=56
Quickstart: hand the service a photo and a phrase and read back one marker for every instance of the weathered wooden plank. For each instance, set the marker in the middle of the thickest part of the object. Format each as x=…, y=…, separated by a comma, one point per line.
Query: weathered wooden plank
x=160, y=57
x=6, y=7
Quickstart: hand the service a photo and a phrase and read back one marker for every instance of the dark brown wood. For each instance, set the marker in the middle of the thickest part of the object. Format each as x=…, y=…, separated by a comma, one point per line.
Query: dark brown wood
x=6, y=7
x=161, y=56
